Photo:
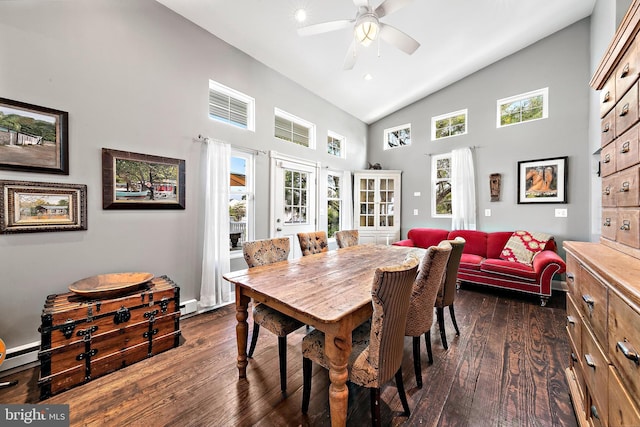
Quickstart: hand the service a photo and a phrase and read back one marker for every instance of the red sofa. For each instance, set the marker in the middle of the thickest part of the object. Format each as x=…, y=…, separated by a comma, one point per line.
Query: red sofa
x=481, y=262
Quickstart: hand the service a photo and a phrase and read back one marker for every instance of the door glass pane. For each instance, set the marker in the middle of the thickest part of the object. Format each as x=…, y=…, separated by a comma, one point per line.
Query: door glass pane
x=295, y=197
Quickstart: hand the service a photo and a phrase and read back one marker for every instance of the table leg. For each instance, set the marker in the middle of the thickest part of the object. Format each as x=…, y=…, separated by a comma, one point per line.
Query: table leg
x=338, y=349
x=242, y=330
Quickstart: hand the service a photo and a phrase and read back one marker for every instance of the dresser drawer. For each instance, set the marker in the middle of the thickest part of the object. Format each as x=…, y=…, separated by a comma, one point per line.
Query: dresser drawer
x=593, y=305
x=626, y=72
x=573, y=277
x=609, y=223
x=628, y=187
x=608, y=160
x=608, y=128
x=628, y=232
x=596, y=373
x=627, y=110
x=624, y=336
x=622, y=410
x=626, y=150
x=609, y=191
x=574, y=325
x=608, y=96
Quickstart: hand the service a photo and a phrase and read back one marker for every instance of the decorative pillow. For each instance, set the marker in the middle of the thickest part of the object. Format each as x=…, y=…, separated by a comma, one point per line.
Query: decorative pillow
x=522, y=246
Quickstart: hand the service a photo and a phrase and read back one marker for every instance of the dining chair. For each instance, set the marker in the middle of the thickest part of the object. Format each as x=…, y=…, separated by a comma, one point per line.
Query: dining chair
x=378, y=345
x=345, y=238
x=447, y=292
x=313, y=243
x=423, y=297
x=263, y=252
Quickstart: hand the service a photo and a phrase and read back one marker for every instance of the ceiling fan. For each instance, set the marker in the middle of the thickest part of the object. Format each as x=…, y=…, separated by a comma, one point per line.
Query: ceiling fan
x=366, y=28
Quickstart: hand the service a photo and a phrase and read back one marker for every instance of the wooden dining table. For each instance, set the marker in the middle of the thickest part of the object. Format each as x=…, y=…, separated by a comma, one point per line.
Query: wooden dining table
x=330, y=291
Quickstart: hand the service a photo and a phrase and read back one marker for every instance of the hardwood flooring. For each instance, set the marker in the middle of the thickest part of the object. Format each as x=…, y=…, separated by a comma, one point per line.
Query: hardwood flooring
x=505, y=369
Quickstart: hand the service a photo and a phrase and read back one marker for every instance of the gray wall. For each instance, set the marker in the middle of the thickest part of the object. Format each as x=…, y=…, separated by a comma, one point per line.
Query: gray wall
x=134, y=76
x=559, y=62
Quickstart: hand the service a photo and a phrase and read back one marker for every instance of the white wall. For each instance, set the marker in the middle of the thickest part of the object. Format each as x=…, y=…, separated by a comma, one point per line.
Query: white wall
x=134, y=76
x=559, y=62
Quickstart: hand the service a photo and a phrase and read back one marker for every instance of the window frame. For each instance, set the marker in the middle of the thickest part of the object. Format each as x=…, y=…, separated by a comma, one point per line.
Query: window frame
x=544, y=92
x=451, y=115
x=343, y=143
x=238, y=96
x=250, y=196
x=278, y=113
x=435, y=180
x=388, y=131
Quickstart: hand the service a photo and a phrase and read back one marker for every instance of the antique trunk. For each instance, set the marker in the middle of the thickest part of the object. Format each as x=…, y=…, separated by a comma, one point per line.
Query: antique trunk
x=85, y=338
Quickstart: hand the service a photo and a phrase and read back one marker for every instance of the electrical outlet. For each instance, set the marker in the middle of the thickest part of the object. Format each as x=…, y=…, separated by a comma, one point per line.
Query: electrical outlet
x=415, y=211
x=416, y=194
x=561, y=213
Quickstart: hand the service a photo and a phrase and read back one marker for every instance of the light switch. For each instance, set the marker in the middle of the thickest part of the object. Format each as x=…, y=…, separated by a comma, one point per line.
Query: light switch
x=415, y=211
x=561, y=213
x=416, y=194
x=487, y=212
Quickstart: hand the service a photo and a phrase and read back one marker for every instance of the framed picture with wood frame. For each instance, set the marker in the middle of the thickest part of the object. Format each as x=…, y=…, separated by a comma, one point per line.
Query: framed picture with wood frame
x=27, y=207
x=33, y=138
x=141, y=181
x=543, y=180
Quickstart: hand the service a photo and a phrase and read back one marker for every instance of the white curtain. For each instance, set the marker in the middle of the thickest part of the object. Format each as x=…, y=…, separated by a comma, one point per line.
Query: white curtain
x=347, y=201
x=463, y=190
x=214, y=290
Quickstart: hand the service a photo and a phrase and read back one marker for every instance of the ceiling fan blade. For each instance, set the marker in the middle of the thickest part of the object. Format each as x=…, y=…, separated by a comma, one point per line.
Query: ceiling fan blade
x=389, y=6
x=397, y=38
x=350, y=58
x=360, y=3
x=325, y=27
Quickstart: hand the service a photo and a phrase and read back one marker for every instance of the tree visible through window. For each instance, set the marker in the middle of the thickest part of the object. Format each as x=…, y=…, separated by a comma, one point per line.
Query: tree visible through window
x=240, y=199
x=450, y=124
x=334, y=204
x=441, y=185
x=523, y=108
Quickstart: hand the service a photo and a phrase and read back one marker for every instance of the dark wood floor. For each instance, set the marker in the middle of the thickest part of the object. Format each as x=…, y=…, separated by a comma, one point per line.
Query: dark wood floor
x=505, y=369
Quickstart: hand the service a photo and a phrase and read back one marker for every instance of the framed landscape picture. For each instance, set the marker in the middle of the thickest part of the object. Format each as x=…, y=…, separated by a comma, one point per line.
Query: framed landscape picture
x=41, y=206
x=141, y=181
x=542, y=181
x=33, y=138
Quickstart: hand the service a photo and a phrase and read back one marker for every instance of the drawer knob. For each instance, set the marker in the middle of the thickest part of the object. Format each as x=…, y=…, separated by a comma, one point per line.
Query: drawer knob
x=625, y=147
x=607, y=222
x=625, y=110
x=607, y=158
x=574, y=357
x=590, y=361
x=625, y=187
x=606, y=128
x=606, y=97
x=626, y=225
x=594, y=412
x=607, y=190
x=588, y=299
x=571, y=320
x=625, y=71
x=628, y=351
x=570, y=277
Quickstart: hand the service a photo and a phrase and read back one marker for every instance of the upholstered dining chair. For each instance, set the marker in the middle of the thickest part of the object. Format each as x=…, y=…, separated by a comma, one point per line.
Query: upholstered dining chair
x=313, y=243
x=345, y=238
x=447, y=292
x=377, y=347
x=423, y=297
x=263, y=252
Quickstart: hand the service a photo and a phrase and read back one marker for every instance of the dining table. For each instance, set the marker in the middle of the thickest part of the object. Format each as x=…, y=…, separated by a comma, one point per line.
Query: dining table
x=329, y=291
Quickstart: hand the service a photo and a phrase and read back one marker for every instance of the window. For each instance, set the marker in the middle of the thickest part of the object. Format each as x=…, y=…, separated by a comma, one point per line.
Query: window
x=296, y=192
x=294, y=129
x=230, y=106
x=523, y=108
x=240, y=200
x=334, y=204
x=397, y=136
x=450, y=124
x=441, y=185
x=336, y=145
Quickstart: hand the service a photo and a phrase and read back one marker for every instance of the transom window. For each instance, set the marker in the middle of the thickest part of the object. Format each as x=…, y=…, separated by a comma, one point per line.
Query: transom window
x=230, y=106
x=294, y=129
x=335, y=144
x=450, y=124
x=397, y=136
x=334, y=204
x=441, y=185
x=523, y=108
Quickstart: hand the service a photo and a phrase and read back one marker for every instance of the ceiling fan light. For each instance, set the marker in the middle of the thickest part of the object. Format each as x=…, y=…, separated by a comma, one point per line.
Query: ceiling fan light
x=366, y=30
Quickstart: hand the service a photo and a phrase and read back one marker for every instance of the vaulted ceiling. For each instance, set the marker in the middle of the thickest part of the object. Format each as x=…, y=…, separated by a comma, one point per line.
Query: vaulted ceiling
x=457, y=38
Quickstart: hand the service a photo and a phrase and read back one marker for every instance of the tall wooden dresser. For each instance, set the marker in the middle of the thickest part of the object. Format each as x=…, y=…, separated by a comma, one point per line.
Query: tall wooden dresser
x=603, y=302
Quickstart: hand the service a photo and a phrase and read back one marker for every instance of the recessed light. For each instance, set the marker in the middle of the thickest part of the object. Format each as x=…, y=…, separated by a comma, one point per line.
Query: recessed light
x=300, y=15
x=368, y=77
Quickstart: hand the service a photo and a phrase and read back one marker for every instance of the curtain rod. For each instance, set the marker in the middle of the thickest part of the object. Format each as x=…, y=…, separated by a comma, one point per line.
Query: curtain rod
x=205, y=139
x=473, y=147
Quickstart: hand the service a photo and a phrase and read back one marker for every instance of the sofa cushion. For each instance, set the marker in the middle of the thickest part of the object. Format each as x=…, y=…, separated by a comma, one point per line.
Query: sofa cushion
x=523, y=245
x=509, y=268
x=471, y=261
x=476, y=241
x=427, y=237
x=496, y=242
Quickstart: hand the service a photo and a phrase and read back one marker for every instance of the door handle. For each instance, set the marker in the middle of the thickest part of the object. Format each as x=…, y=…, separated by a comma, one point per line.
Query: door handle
x=278, y=229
